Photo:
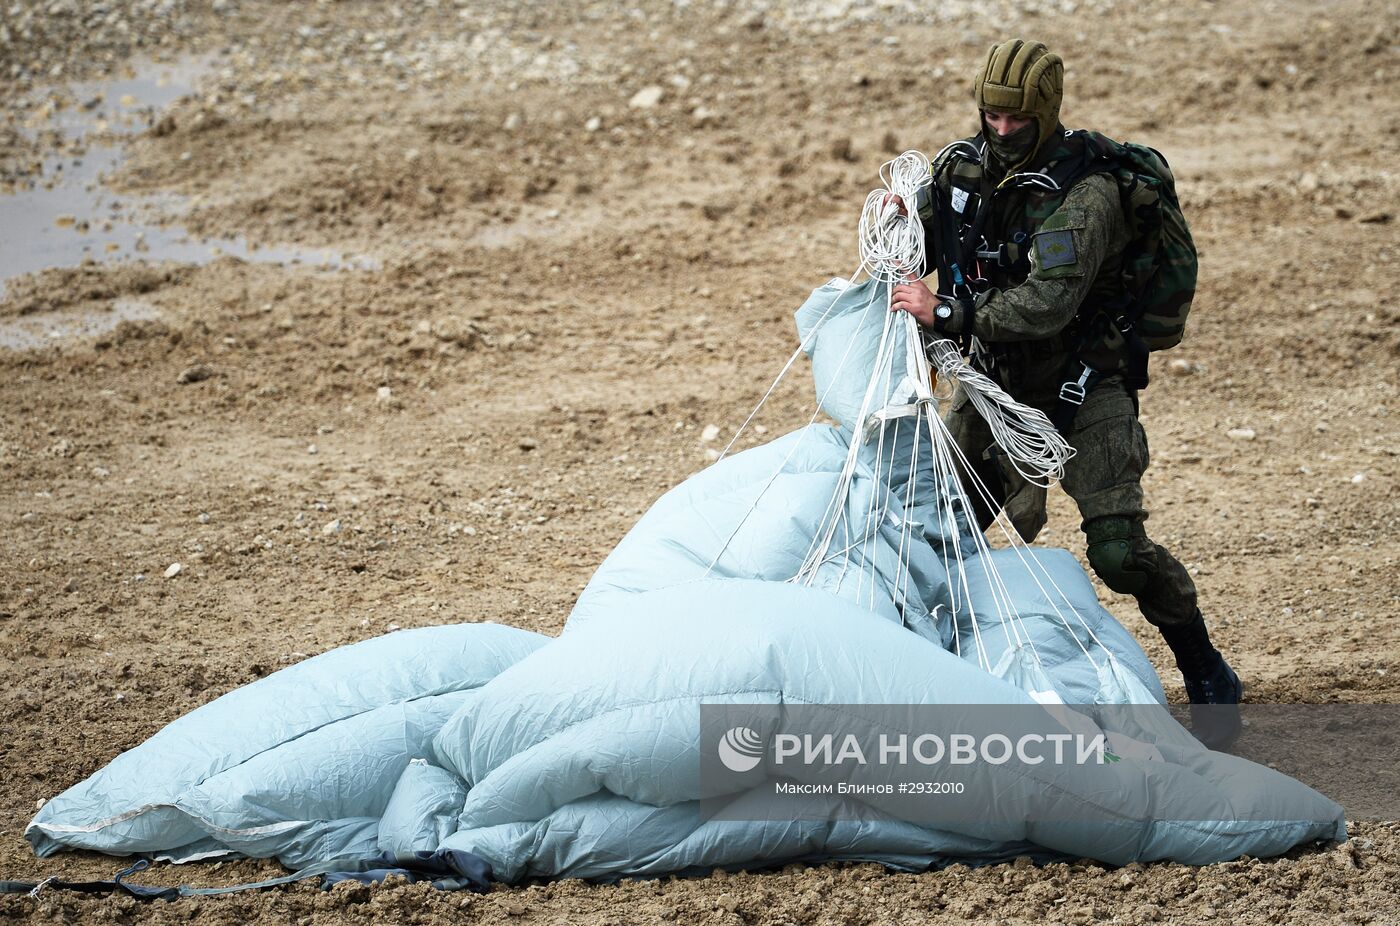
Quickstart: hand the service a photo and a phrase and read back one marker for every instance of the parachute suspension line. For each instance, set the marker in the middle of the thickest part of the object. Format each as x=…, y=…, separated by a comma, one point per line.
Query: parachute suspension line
x=806, y=573
x=952, y=496
x=891, y=248
x=821, y=400
x=1031, y=564
x=904, y=573
x=1037, y=450
x=1012, y=624
x=802, y=347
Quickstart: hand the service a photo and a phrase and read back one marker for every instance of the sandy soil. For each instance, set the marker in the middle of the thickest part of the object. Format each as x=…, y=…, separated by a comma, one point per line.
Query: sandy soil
x=571, y=289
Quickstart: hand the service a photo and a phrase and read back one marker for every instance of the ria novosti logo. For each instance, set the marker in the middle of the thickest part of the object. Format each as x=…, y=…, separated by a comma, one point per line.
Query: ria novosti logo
x=741, y=749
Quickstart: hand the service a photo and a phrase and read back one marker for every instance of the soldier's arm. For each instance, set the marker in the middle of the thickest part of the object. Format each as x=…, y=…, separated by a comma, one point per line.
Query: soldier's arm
x=1065, y=254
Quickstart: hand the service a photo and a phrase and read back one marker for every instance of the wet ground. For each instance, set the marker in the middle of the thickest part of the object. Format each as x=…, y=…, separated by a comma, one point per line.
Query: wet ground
x=63, y=213
x=571, y=293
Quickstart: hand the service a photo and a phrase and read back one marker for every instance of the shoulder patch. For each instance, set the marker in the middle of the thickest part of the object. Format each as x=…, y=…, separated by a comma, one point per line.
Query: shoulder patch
x=1055, y=249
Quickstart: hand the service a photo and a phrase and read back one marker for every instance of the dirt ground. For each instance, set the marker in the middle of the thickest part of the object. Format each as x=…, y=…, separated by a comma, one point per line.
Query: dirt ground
x=570, y=290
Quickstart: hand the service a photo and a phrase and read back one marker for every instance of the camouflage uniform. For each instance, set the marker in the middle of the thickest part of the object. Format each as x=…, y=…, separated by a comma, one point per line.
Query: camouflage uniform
x=1062, y=264
x=1024, y=320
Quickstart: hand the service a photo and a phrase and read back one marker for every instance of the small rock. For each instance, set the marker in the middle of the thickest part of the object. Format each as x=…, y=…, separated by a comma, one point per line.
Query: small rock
x=1376, y=218
x=528, y=443
x=331, y=528
x=1358, y=479
x=710, y=433
x=1181, y=367
x=392, y=627
x=71, y=586
x=120, y=696
x=101, y=472
x=203, y=518
x=515, y=908
x=195, y=374
x=1308, y=183
x=702, y=115
x=39, y=804
x=1240, y=434
x=173, y=570
x=384, y=394
x=646, y=98
x=312, y=449
x=513, y=122
x=1313, y=502
x=593, y=124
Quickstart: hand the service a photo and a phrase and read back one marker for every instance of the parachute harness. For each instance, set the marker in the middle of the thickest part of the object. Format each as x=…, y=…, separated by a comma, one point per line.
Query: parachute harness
x=892, y=250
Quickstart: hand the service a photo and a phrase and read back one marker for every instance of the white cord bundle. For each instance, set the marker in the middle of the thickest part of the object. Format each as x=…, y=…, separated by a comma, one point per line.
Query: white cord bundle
x=1037, y=450
x=852, y=531
x=892, y=243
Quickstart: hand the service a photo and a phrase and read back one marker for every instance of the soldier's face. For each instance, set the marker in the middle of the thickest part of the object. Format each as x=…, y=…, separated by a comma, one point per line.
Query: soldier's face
x=1005, y=123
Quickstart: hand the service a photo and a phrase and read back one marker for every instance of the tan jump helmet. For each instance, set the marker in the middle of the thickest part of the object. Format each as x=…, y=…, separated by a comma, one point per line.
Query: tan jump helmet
x=1025, y=79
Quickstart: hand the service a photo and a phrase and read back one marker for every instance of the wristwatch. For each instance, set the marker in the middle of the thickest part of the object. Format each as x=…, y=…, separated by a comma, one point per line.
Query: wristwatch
x=944, y=311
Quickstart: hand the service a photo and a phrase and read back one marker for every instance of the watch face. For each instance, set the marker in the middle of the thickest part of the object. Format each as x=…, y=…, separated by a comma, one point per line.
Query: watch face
x=944, y=311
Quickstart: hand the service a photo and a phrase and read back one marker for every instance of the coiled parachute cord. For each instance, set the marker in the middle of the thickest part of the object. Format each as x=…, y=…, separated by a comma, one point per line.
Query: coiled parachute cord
x=892, y=250
x=891, y=238
x=910, y=372
x=1037, y=450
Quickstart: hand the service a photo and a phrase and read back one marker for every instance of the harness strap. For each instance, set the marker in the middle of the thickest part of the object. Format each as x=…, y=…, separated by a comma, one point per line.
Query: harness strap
x=1073, y=391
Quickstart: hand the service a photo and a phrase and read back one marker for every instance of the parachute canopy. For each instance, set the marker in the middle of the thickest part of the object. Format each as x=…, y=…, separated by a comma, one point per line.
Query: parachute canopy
x=825, y=567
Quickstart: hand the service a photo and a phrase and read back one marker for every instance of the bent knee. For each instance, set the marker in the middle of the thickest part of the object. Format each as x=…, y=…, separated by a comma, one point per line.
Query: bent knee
x=1120, y=554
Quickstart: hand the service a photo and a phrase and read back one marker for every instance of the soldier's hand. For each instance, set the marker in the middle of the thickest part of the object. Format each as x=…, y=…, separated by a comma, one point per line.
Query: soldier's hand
x=915, y=298
x=894, y=198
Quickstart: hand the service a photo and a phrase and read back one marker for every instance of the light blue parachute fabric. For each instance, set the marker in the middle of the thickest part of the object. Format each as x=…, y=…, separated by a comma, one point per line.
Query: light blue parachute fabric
x=422, y=811
x=299, y=765
x=561, y=754
x=580, y=756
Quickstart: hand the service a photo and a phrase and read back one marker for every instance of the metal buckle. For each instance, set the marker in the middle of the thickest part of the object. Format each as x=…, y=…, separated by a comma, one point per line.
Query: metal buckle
x=1073, y=393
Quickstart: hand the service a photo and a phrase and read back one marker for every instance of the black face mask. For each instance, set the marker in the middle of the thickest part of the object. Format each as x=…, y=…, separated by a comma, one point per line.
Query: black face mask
x=1012, y=149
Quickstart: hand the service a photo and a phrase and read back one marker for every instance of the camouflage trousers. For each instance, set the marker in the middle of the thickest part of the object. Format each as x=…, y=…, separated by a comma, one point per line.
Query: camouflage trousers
x=1105, y=480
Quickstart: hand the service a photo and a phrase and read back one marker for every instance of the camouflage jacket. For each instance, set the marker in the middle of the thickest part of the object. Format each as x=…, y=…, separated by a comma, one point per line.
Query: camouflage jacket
x=1060, y=249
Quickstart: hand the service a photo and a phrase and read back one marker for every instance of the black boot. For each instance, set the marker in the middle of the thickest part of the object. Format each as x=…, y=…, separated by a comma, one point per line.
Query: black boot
x=1212, y=687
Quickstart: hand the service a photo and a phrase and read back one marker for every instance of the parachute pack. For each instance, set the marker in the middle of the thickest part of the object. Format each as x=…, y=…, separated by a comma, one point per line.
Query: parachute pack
x=1159, y=263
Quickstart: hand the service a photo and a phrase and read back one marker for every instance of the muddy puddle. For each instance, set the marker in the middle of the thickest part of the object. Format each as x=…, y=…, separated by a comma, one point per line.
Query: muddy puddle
x=69, y=216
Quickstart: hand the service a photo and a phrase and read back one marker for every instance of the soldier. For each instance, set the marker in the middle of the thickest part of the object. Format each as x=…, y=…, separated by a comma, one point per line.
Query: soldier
x=1048, y=271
